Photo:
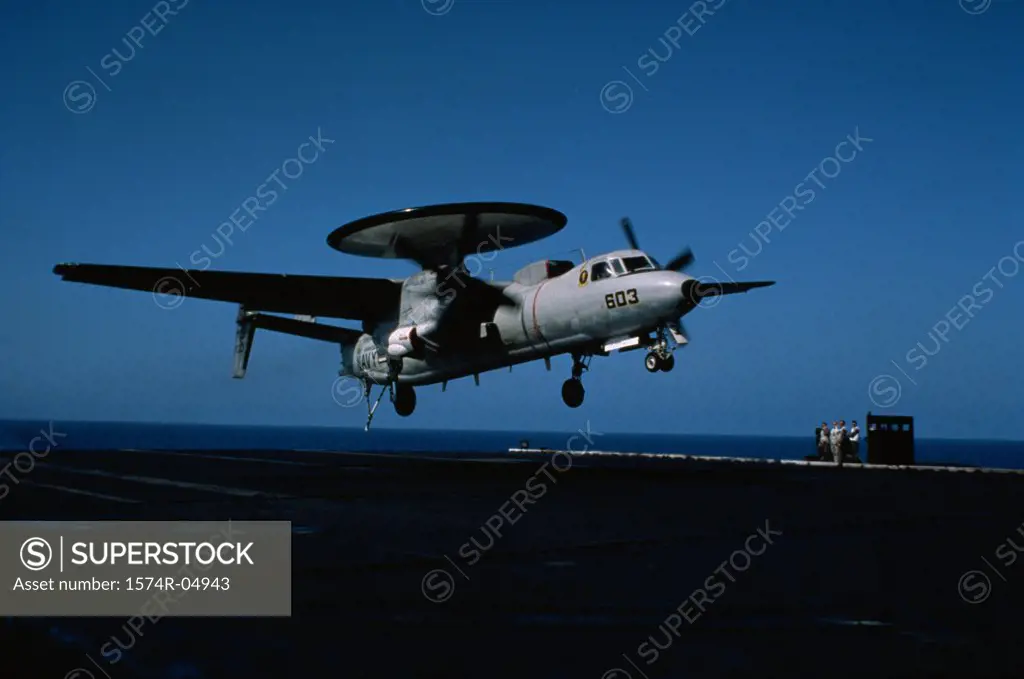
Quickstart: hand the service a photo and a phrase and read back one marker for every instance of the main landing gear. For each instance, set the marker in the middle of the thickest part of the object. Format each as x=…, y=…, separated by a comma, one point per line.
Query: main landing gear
x=572, y=388
x=660, y=358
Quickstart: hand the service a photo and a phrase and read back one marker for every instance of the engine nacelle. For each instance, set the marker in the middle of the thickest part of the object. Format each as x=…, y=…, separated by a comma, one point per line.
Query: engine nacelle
x=409, y=339
x=402, y=342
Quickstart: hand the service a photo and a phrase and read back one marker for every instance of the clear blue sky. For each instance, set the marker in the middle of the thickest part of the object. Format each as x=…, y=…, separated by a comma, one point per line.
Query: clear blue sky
x=506, y=100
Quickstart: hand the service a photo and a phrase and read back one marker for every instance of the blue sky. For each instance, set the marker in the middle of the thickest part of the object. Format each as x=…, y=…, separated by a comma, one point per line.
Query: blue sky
x=516, y=100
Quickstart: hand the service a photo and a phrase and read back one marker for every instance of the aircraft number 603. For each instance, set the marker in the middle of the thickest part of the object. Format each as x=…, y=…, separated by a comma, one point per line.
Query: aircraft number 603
x=621, y=298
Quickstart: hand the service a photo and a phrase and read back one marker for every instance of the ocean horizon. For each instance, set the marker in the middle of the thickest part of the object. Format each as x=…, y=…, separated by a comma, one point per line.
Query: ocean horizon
x=87, y=435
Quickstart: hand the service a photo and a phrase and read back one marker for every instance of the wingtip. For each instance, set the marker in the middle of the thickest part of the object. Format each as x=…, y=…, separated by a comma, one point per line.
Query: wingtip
x=62, y=268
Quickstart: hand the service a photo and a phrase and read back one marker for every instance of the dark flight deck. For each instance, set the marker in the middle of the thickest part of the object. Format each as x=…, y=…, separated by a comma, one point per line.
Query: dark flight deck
x=529, y=564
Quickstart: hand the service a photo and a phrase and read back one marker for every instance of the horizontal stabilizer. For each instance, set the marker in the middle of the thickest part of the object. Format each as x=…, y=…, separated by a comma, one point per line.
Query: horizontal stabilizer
x=249, y=321
x=317, y=331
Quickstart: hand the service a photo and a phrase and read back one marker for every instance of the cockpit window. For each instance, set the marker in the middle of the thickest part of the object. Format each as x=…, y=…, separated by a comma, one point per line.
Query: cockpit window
x=639, y=263
x=600, y=270
x=617, y=266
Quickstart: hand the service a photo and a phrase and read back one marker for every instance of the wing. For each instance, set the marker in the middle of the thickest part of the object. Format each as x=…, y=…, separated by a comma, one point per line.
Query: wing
x=364, y=299
x=702, y=290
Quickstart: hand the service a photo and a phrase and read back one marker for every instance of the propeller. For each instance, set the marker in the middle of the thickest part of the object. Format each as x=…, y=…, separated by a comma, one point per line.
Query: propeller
x=680, y=263
x=627, y=226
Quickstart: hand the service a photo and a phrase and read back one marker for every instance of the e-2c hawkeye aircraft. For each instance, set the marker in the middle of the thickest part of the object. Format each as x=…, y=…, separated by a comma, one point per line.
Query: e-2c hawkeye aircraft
x=441, y=323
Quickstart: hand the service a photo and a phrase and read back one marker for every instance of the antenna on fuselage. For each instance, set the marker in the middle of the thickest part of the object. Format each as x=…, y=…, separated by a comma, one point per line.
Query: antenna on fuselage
x=583, y=255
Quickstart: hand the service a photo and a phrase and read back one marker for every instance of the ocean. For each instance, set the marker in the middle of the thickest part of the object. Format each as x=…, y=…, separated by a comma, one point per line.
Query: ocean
x=16, y=435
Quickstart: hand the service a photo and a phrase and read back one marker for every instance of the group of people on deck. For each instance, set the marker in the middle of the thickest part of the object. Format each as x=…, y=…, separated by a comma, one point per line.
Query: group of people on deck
x=838, y=444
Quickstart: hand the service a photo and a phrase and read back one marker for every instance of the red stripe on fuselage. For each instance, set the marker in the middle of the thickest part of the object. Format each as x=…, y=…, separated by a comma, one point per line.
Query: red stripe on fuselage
x=536, y=326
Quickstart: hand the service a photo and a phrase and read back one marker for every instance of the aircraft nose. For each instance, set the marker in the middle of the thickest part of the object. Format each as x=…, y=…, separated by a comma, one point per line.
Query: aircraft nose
x=664, y=292
x=690, y=292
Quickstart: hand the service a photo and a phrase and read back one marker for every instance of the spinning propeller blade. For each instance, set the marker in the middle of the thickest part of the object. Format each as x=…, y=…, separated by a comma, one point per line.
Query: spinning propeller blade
x=682, y=261
x=678, y=263
x=627, y=226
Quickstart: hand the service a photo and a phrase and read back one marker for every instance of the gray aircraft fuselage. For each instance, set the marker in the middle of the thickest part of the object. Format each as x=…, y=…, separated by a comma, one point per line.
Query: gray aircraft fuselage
x=567, y=313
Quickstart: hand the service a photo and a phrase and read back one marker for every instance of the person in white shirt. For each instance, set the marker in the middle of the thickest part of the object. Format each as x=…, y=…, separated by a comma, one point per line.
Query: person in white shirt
x=855, y=440
x=833, y=441
x=823, y=442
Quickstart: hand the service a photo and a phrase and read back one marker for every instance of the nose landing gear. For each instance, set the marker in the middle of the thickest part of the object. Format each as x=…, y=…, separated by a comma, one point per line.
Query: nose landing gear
x=572, y=388
x=660, y=357
x=655, y=362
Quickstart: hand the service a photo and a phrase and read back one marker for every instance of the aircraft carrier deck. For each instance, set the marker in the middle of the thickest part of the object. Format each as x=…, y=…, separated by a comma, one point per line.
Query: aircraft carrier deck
x=863, y=573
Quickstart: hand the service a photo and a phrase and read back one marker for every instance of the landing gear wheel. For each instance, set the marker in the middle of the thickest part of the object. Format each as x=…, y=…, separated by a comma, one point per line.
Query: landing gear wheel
x=652, y=362
x=573, y=392
x=405, y=400
x=667, y=363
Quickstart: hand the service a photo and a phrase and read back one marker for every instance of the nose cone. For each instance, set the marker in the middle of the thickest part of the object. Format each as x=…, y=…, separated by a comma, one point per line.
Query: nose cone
x=662, y=290
x=667, y=281
x=689, y=291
